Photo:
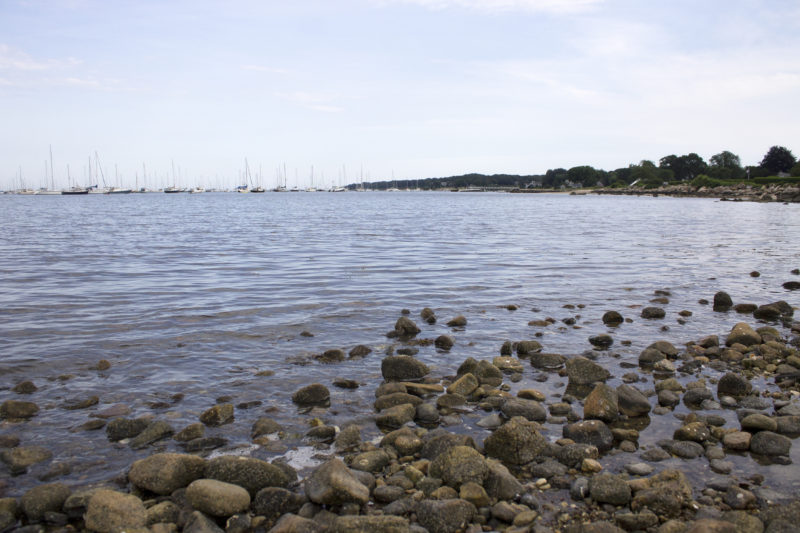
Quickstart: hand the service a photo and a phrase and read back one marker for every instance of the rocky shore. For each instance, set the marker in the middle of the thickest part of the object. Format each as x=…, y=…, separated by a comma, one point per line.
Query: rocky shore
x=571, y=462
x=740, y=192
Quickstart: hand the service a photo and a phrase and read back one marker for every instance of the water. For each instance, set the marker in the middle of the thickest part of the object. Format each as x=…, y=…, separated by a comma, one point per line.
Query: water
x=198, y=294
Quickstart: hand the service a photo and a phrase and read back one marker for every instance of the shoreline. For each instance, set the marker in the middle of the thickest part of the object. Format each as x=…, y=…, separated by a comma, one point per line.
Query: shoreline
x=427, y=471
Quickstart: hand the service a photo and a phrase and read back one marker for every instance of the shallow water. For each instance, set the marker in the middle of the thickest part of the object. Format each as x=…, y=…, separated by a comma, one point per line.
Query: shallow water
x=196, y=294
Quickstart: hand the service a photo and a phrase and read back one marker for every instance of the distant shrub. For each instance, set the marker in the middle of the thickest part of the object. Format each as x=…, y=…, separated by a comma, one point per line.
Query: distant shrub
x=704, y=180
x=795, y=170
x=775, y=180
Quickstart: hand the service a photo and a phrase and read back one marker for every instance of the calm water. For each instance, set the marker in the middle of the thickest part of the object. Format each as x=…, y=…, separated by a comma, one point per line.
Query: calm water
x=196, y=294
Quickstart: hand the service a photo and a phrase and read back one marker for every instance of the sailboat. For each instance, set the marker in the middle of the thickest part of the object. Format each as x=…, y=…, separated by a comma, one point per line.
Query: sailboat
x=74, y=190
x=52, y=190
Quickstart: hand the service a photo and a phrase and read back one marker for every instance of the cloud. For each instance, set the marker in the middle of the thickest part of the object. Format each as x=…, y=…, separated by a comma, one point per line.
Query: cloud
x=493, y=6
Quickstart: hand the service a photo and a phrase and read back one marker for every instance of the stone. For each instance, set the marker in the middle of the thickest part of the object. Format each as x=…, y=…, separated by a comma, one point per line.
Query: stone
x=736, y=441
x=612, y=318
x=653, y=313
x=217, y=498
x=125, y=428
x=528, y=348
x=190, y=432
x=445, y=516
x=110, y=511
x=163, y=473
x=738, y=498
x=20, y=458
x=370, y=524
x=405, y=327
x=332, y=483
x=464, y=385
x=601, y=404
x=314, y=394
x=528, y=409
x=247, y=472
x=758, y=422
x=547, y=361
x=474, y=494
x=582, y=371
x=458, y=465
x=632, y=401
x=603, y=341
x=359, y=351
x=25, y=387
x=18, y=409
x=508, y=364
x=273, y=502
x=264, y=426
x=732, y=384
x=396, y=398
x=403, y=368
x=666, y=493
x=457, y=322
x=693, y=398
x=693, y=431
x=769, y=443
x=39, y=500
x=164, y=512
x=155, y=431
x=649, y=357
x=722, y=301
x=371, y=461
x=444, y=342
x=501, y=484
x=608, y=488
x=197, y=522
x=743, y=334
x=593, y=432
x=516, y=442
x=397, y=416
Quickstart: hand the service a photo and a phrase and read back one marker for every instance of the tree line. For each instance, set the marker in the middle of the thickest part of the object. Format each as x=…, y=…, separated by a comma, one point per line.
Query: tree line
x=724, y=166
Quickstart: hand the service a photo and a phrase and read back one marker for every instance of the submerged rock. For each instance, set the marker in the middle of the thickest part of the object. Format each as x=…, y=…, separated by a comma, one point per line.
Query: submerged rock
x=314, y=394
x=18, y=409
x=403, y=368
x=582, y=371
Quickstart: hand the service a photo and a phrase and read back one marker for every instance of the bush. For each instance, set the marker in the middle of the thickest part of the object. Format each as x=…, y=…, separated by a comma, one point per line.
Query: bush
x=795, y=170
x=706, y=181
x=775, y=180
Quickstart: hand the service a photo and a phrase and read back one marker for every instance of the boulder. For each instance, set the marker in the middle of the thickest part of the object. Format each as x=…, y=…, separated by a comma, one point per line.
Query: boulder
x=528, y=409
x=445, y=516
x=217, y=498
x=722, y=301
x=653, y=313
x=547, y=361
x=733, y=385
x=332, y=483
x=396, y=398
x=612, y=318
x=154, y=432
x=18, y=409
x=743, y=334
x=43, y=499
x=602, y=342
x=601, y=404
x=197, y=522
x=247, y=472
x=631, y=401
x=528, y=348
x=458, y=322
x=397, y=416
x=444, y=342
x=164, y=473
x=665, y=494
x=464, y=385
x=20, y=458
x=516, y=442
x=405, y=327
x=110, y=511
x=359, y=351
x=314, y=394
x=370, y=523
x=125, y=428
x=593, y=432
x=608, y=488
x=273, y=502
x=403, y=368
x=264, y=426
x=458, y=465
x=769, y=443
x=582, y=371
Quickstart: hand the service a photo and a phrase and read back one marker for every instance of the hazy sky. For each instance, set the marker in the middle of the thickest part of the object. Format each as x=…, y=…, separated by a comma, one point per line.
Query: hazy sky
x=420, y=88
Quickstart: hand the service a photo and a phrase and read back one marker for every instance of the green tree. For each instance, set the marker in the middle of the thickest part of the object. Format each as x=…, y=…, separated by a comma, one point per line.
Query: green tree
x=778, y=159
x=585, y=175
x=726, y=166
x=684, y=167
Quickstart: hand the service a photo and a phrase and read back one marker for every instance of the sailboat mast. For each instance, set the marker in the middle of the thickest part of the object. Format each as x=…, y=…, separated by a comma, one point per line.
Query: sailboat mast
x=52, y=177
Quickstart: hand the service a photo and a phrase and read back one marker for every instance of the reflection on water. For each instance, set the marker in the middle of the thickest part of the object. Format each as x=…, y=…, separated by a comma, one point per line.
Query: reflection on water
x=201, y=294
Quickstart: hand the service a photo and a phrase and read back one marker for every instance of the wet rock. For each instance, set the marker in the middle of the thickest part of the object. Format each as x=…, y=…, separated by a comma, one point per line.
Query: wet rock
x=528, y=348
x=484, y=371
x=109, y=511
x=773, y=311
x=693, y=431
x=769, y=443
x=439, y=441
x=371, y=461
x=20, y=458
x=445, y=516
x=427, y=414
x=273, y=502
x=404, y=440
x=602, y=342
x=314, y=394
x=248, y=472
x=444, y=342
x=73, y=404
x=573, y=455
x=458, y=322
x=331, y=356
x=582, y=371
x=396, y=416
x=501, y=484
x=722, y=301
x=612, y=318
x=18, y=409
x=43, y=499
x=464, y=385
x=666, y=494
x=758, y=422
x=397, y=398
x=428, y=315
x=125, y=428
x=405, y=327
x=458, y=465
x=738, y=498
x=601, y=404
x=593, y=432
x=547, y=361
x=743, y=334
x=649, y=357
x=9, y=441
x=788, y=425
x=508, y=364
x=332, y=483
x=733, y=385
x=359, y=351
x=693, y=398
x=25, y=387
x=218, y=415
x=217, y=498
x=370, y=523
x=164, y=473
x=197, y=522
x=528, y=409
x=190, y=432
x=403, y=368
x=154, y=432
x=631, y=401
x=608, y=488
x=737, y=440
x=653, y=313
x=711, y=525
x=515, y=443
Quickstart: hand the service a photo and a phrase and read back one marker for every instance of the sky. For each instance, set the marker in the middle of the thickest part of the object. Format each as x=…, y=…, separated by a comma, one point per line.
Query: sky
x=376, y=89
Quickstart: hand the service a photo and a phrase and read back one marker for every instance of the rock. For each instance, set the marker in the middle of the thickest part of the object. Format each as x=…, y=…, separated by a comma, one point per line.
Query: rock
x=439, y=441
x=264, y=426
x=73, y=404
x=582, y=371
x=217, y=498
x=773, y=311
x=38, y=501
x=396, y=398
x=528, y=409
x=370, y=523
x=474, y=494
x=516, y=442
x=612, y=318
x=395, y=417
x=601, y=404
x=528, y=348
x=190, y=432
x=744, y=522
x=444, y=342
x=547, y=361
x=737, y=441
x=25, y=387
x=593, y=432
x=405, y=327
x=666, y=494
x=457, y=322
x=218, y=415
x=458, y=465
x=200, y=523
x=508, y=364
x=464, y=385
x=743, y=334
x=738, y=498
x=758, y=422
x=573, y=455
x=314, y=394
x=769, y=443
x=445, y=516
x=603, y=341
x=722, y=301
x=693, y=431
x=291, y=523
x=649, y=357
x=164, y=512
x=639, y=469
x=247, y=472
x=501, y=484
x=109, y=511
x=154, y=432
x=18, y=409
x=20, y=458
x=788, y=425
x=273, y=502
x=631, y=401
x=359, y=351
x=405, y=441
x=204, y=443
x=331, y=356
x=693, y=398
x=125, y=428
x=371, y=461
x=388, y=493
x=428, y=315
x=608, y=488
x=686, y=449
x=653, y=313
x=733, y=385
x=427, y=414
x=332, y=483
x=403, y=368
x=164, y=473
